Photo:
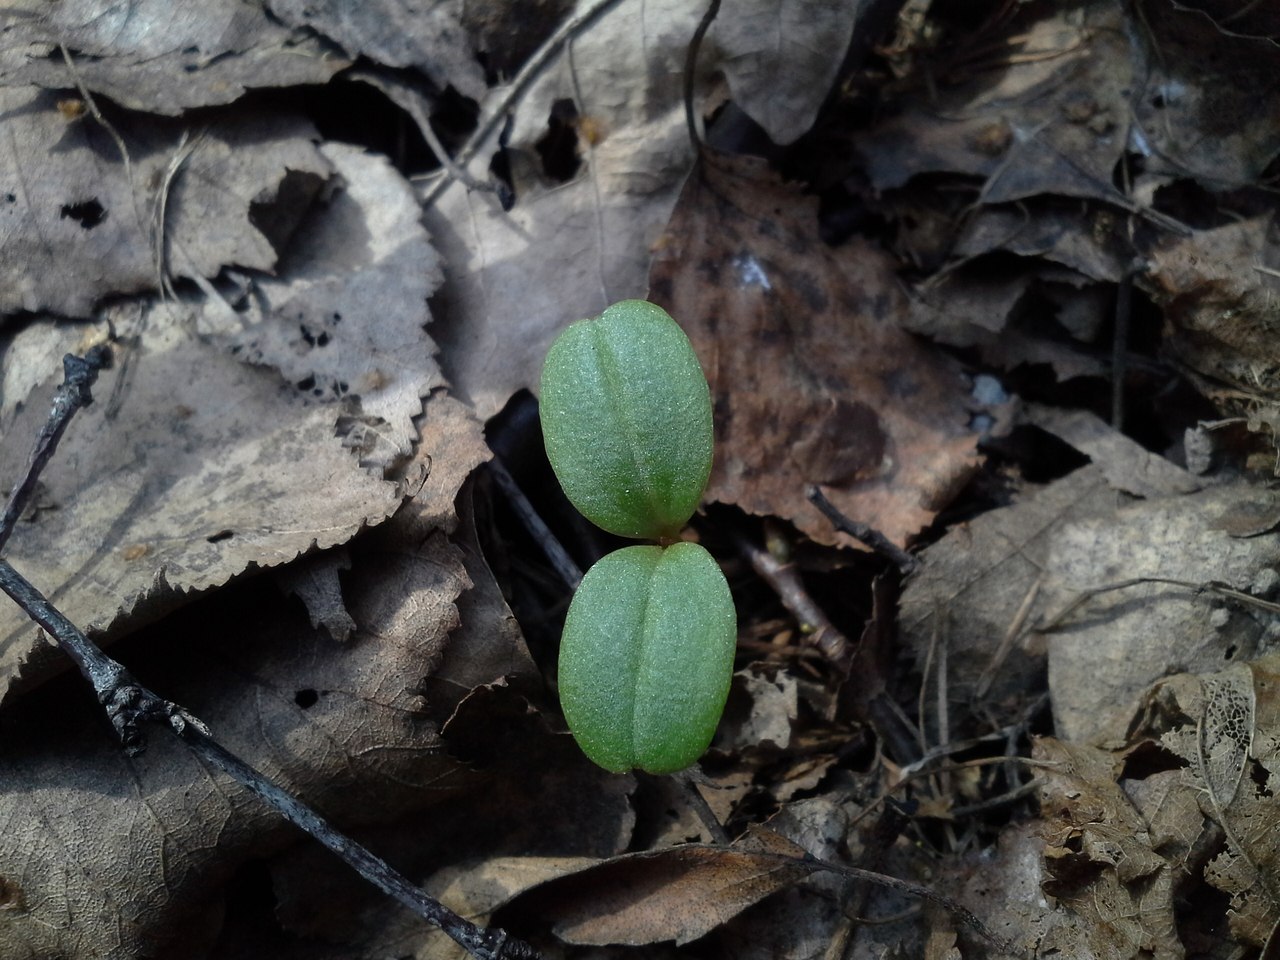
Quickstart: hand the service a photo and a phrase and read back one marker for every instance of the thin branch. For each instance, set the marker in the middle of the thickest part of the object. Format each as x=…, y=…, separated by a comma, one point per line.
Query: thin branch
x=863, y=533
x=537, y=528
x=495, y=114
x=690, y=68
x=129, y=704
x=79, y=375
x=815, y=625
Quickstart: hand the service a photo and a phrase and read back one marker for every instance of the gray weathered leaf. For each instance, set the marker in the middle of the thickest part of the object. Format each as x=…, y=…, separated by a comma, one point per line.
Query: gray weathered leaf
x=158, y=55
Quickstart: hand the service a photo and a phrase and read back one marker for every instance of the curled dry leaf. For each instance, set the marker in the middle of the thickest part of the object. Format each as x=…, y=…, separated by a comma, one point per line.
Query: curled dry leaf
x=159, y=56
x=812, y=379
x=679, y=893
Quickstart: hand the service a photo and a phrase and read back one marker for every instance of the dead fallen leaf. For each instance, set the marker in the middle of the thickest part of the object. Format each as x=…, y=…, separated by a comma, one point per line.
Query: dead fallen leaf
x=345, y=318
x=156, y=56
x=108, y=856
x=78, y=221
x=812, y=379
x=1126, y=464
x=1052, y=119
x=1099, y=857
x=207, y=463
x=1225, y=726
x=1107, y=652
x=978, y=590
x=1196, y=114
x=679, y=893
x=1218, y=289
x=396, y=33
x=780, y=62
x=567, y=249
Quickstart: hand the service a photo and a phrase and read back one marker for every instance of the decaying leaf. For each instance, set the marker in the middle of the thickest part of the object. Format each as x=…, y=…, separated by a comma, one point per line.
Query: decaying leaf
x=1219, y=290
x=397, y=33
x=1099, y=857
x=80, y=224
x=345, y=318
x=780, y=61
x=1126, y=464
x=978, y=590
x=575, y=242
x=110, y=856
x=1054, y=121
x=192, y=467
x=679, y=893
x=1107, y=652
x=812, y=379
x=159, y=56
x=1226, y=727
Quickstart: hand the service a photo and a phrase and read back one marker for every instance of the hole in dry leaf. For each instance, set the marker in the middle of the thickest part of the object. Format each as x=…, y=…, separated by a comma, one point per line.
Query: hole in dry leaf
x=307, y=383
x=88, y=214
x=220, y=536
x=306, y=698
x=1258, y=774
x=558, y=147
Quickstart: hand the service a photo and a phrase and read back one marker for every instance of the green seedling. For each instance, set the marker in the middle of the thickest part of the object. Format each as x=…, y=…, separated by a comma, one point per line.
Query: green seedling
x=647, y=651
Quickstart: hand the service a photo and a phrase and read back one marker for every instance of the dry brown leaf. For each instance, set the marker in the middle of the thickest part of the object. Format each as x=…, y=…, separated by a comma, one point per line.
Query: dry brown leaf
x=196, y=466
x=812, y=379
x=680, y=893
x=1197, y=113
x=192, y=467
x=78, y=221
x=804, y=921
x=1099, y=856
x=514, y=278
x=1110, y=650
x=1219, y=292
x=159, y=56
x=566, y=250
x=1053, y=120
x=108, y=856
x=541, y=807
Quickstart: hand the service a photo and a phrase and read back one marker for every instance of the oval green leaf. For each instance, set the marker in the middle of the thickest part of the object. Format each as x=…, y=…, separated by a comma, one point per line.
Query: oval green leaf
x=647, y=656
x=626, y=417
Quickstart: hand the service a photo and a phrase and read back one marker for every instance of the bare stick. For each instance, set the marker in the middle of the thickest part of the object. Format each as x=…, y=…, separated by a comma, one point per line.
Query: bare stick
x=79, y=374
x=814, y=623
x=863, y=533
x=129, y=704
x=551, y=547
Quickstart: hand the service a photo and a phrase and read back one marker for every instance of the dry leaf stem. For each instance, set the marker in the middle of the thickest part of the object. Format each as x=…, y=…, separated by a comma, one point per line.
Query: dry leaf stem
x=129, y=704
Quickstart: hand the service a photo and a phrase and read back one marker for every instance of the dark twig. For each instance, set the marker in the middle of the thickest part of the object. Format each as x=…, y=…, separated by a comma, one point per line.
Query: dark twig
x=690, y=68
x=129, y=704
x=537, y=528
x=79, y=374
x=863, y=533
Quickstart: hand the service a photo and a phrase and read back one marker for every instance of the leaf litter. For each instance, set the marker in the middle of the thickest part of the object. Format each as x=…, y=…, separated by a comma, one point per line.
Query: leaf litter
x=1000, y=176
